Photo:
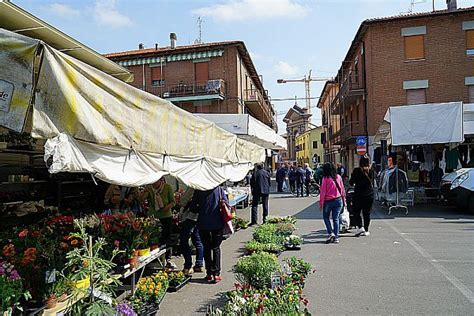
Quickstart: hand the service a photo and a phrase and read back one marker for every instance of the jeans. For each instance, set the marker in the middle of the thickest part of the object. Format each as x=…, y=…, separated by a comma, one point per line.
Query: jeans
x=188, y=230
x=256, y=198
x=334, y=207
x=364, y=204
x=165, y=238
x=212, y=239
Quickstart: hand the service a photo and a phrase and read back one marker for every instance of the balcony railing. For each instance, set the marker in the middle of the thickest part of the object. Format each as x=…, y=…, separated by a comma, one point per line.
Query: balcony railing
x=194, y=88
x=349, y=89
x=255, y=96
x=348, y=132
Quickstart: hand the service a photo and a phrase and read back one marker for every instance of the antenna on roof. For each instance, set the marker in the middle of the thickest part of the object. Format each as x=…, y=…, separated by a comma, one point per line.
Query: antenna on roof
x=199, y=24
x=412, y=5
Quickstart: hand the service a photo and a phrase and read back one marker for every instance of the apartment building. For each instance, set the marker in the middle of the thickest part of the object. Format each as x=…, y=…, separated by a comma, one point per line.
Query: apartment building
x=330, y=122
x=215, y=77
x=407, y=59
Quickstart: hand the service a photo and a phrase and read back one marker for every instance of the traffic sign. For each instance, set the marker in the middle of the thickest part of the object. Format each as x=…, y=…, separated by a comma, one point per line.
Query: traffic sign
x=361, y=141
x=361, y=150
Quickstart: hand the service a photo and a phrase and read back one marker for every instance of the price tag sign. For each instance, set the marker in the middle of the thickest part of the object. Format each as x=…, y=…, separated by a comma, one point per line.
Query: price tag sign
x=51, y=276
x=276, y=280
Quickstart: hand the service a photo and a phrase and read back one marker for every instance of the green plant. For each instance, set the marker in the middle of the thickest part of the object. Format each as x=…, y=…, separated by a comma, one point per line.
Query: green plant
x=87, y=261
x=176, y=278
x=11, y=288
x=267, y=233
x=239, y=223
x=293, y=240
x=299, y=269
x=255, y=246
x=256, y=269
x=150, y=290
x=281, y=219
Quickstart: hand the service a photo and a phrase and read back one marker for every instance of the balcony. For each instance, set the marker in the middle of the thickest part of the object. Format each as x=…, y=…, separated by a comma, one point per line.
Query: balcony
x=350, y=90
x=259, y=106
x=190, y=91
x=348, y=133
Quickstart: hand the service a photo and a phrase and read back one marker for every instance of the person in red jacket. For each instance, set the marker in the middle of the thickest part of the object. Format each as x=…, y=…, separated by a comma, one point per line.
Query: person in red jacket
x=331, y=201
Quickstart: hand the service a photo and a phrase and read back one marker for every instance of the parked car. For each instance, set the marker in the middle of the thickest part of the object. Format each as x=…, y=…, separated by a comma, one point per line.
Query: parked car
x=458, y=187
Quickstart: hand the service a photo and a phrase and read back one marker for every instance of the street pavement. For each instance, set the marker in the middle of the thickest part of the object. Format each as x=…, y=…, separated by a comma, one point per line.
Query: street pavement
x=420, y=264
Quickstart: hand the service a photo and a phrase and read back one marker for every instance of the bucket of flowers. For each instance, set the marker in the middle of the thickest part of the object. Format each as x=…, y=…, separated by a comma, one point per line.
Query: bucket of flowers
x=177, y=280
x=293, y=242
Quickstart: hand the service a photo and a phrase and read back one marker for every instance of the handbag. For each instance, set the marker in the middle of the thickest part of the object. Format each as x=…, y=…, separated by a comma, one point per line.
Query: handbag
x=226, y=213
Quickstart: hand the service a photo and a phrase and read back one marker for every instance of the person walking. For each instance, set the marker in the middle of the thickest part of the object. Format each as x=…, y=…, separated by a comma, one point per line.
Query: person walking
x=362, y=178
x=161, y=201
x=260, y=185
x=211, y=228
x=300, y=179
x=331, y=201
x=280, y=178
x=341, y=170
x=189, y=229
x=308, y=172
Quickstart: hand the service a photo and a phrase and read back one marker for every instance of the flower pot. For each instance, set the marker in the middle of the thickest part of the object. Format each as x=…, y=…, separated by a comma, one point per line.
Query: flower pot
x=153, y=247
x=133, y=261
x=62, y=298
x=82, y=284
x=135, y=253
x=51, y=302
x=144, y=252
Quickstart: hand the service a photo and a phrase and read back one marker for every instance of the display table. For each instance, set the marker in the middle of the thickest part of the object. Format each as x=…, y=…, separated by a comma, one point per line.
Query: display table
x=238, y=196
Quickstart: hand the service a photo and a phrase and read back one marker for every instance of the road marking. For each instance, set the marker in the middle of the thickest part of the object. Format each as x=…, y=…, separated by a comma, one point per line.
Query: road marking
x=441, y=269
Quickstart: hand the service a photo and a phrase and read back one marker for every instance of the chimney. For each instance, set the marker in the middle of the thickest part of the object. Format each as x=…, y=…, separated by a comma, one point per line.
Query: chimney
x=141, y=46
x=452, y=5
x=173, y=39
x=156, y=46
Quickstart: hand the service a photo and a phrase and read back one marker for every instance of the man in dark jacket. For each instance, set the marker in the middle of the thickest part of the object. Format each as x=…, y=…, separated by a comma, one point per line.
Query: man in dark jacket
x=300, y=177
x=260, y=185
x=280, y=178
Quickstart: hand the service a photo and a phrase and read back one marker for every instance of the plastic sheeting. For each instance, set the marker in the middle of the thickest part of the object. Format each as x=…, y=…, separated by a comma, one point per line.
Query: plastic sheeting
x=248, y=128
x=17, y=55
x=98, y=124
x=437, y=123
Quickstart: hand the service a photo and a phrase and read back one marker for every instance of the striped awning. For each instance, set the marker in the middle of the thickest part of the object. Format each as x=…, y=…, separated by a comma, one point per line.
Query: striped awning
x=171, y=58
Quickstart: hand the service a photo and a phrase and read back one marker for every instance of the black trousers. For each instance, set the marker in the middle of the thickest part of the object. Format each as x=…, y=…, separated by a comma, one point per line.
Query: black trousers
x=255, y=200
x=292, y=186
x=299, y=188
x=306, y=183
x=362, y=204
x=211, y=240
x=280, y=185
x=165, y=238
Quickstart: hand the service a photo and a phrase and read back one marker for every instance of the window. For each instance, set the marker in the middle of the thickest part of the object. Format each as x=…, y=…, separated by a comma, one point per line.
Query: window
x=470, y=42
x=471, y=93
x=414, y=47
x=201, y=72
x=156, y=77
x=315, y=144
x=416, y=96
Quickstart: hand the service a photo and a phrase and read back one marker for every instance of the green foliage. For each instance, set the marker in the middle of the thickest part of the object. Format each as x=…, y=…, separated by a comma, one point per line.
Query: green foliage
x=299, y=269
x=267, y=233
x=256, y=269
x=239, y=223
x=285, y=229
x=255, y=246
x=281, y=219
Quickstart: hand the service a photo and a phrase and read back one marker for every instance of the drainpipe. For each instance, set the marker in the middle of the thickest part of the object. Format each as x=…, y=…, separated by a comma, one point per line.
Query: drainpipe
x=143, y=77
x=365, y=98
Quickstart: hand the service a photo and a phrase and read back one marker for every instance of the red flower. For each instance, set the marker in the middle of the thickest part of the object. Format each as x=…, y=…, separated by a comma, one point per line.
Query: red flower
x=9, y=250
x=35, y=233
x=23, y=233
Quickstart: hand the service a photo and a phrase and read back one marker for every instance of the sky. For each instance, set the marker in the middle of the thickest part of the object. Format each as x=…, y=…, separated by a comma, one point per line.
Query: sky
x=286, y=38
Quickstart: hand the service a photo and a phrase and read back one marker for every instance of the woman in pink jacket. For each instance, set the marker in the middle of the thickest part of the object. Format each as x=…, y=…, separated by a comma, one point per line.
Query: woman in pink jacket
x=331, y=200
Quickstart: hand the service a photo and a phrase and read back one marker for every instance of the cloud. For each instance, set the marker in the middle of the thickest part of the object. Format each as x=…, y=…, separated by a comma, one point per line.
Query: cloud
x=241, y=10
x=285, y=69
x=63, y=10
x=106, y=14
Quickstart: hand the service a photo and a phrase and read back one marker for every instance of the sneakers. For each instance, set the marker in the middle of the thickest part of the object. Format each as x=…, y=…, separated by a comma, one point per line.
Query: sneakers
x=188, y=272
x=217, y=279
x=330, y=238
x=360, y=231
x=336, y=240
x=365, y=233
x=198, y=269
x=209, y=278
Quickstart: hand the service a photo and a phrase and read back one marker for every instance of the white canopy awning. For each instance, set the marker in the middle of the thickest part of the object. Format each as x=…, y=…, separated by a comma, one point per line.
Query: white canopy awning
x=434, y=123
x=248, y=128
x=98, y=124
x=468, y=119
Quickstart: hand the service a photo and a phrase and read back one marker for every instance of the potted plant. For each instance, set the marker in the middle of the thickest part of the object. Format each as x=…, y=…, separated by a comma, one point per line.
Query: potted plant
x=11, y=288
x=256, y=269
x=177, y=280
x=293, y=242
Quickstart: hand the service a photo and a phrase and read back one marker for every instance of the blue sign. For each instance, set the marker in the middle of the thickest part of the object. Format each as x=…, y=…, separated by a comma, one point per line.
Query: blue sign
x=361, y=141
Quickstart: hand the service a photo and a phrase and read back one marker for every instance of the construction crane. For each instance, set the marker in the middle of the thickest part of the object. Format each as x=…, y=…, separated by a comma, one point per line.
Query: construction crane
x=307, y=81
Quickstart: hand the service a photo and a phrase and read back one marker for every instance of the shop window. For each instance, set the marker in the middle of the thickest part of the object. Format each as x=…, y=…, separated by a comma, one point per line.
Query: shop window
x=470, y=42
x=414, y=47
x=201, y=72
x=157, y=79
x=315, y=144
x=471, y=93
x=416, y=96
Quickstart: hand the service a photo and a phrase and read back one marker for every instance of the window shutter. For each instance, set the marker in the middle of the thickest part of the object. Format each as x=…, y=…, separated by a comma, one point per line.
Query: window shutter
x=201, y=72
x=416, y=96
x=414, y=47
x=469, y=39
x=155, y=73
x=471, y=94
